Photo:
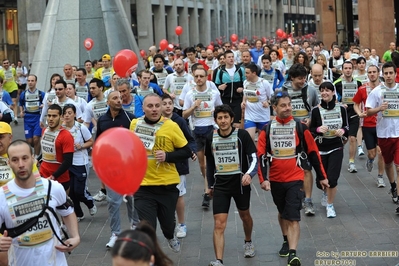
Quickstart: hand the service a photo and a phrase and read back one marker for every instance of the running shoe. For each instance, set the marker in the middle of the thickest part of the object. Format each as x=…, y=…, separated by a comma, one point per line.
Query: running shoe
x=331, y=211
x=352, y=168
x=309, y=209
x=174, y=244
x=360, y=151
x=100, y=196
x=111, y=241
x=380, y=181
x=369, y=165
x=285, y=250
x=81, y=218
x=249, y=250
x=181, y=231
x=215, y=263
x=93, y=210
x=394, y=195
x=293, y=260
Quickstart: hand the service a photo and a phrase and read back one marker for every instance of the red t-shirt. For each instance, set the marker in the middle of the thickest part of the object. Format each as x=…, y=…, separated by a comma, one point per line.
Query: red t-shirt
x=64, y=143
x=361, y=97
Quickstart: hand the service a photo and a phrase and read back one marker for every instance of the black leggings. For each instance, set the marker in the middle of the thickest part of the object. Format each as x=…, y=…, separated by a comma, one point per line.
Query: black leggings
x=78, y=192
x=332, y=164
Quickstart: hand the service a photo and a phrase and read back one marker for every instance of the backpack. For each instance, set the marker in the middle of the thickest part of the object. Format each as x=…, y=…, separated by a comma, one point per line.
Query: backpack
x=300, y=149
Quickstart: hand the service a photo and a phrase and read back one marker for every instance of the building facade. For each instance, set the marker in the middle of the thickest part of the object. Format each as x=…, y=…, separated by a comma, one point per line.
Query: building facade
x=153, y=20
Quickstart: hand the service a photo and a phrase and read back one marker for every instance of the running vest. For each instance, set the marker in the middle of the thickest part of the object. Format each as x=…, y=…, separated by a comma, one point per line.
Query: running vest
x=282, y=140
x=206, y=108
x=147, y=134
x=225, y=153
x=331, y=119
x=349, y=90
x=392, y=97
x=251, y=91
x=300, y=106
x=51, y=96
x=32, y=101
x=268, y=77
x=6, y=173
x=48, y=146
x=129, y=107
x=362, y=78
x=72, y=80
x=22, y=209
x=89, y=77
x=179, y=83
x=288, y=62
x=8, y=75
x=82, y=91
x=106, y=73
x=161, y=77
x=99, y=108
x=142, y=92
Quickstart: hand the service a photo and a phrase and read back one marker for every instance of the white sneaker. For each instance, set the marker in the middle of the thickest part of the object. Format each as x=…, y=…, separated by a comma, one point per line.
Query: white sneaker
x=181, y=231
x=380, y=181
x=324, y=199
x=100, y=196
x=93, y=210
x=174, y=244
x=249, y=250
x=352, y=168
x=360, y=151
x=80, y=218
x=112, y=241
x=331, y=211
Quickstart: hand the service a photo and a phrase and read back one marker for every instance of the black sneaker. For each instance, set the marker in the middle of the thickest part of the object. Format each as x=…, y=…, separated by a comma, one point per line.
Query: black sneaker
x=397, y=210
x=206, y=201
x=293, y=260
x=16, y=122
x=285, y=250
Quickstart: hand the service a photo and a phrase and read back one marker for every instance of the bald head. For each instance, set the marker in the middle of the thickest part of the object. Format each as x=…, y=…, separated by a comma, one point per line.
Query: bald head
x=317, y=74
x=152, y=50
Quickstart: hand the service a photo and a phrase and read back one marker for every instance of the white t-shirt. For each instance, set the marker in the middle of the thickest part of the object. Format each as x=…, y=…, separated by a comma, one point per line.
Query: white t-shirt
x=215, y=101
x=46, y=104
x=81, y=103
x=254, y=110
x=215, y=64
x=42, y=255
x=89, y=113
x=80, y=134
x=173, y=85
x=190, y=85
x=386, y=127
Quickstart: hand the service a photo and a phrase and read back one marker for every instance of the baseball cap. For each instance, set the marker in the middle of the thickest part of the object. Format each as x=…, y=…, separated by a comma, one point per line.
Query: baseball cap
x=5, y=128
x=106, y=57
x=354, y=56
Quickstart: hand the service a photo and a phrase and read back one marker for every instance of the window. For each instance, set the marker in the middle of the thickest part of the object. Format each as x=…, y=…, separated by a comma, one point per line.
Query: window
x=285, y=2
x=293, y=2
x=300, y=2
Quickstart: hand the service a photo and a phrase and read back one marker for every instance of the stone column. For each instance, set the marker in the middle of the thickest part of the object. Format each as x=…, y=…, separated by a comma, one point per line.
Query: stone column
x=193, y=25
x=172, y=23
x=376, y=28
x=159, y=22
x=144, y=24
x=184, y=22
x=30, y=17
x=205, y=26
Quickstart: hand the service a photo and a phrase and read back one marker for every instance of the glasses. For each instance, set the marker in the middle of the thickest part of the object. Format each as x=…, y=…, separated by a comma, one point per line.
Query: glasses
x=199, y=76
x=227, y=46
x=58, y=89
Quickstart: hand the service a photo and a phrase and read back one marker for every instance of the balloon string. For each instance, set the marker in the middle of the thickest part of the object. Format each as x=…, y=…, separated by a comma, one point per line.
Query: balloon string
x=88, y=53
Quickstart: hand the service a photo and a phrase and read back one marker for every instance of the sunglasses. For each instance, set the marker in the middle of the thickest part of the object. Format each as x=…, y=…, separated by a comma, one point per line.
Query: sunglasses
x=58, y=89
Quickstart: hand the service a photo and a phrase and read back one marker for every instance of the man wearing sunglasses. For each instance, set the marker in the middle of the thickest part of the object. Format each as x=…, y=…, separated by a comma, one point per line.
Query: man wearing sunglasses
x=282, y=143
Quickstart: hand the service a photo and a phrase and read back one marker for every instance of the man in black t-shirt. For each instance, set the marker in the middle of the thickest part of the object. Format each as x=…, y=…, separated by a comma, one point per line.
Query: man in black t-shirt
x=231, y=164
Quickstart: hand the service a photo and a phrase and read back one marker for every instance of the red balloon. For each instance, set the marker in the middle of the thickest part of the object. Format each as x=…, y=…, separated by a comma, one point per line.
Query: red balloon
x=264, y=40
x=163, y=44
x=170, y=47
x=233, y=37
x=142, y=53
x=88, y=44
x=280, y=32
x=120, y=160
x=125, y=63
x=179, y=30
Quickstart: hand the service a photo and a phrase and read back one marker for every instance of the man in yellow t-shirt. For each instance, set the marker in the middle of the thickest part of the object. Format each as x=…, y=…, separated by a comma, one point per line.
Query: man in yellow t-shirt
x=165, y=144
x=105, y=72
x=9, y=75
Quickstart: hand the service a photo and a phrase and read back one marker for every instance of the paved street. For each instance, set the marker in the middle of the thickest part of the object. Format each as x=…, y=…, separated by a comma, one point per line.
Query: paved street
x=365, y=223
